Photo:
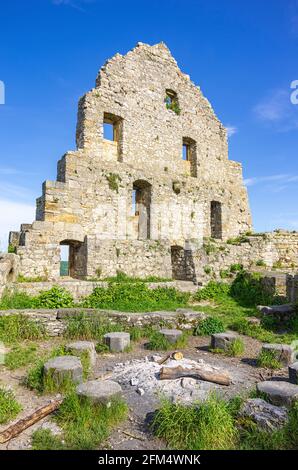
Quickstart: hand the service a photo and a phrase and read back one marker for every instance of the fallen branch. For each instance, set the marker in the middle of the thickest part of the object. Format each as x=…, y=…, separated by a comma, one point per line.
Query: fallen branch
x=199, y=373
x=20, y=426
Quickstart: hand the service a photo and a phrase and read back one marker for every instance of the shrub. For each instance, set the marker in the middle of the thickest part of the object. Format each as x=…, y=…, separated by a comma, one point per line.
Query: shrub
x=238, y=240
x=205, y=426
x=56, y=297
x=268, y=360
x=18, y=327
x=260, y=262
x=213, y=290
x=207, y=269
x=249, y=290
x=234, y=268
x=209, y=326
x=9, y=407
x=224, y=273
x=135, y=297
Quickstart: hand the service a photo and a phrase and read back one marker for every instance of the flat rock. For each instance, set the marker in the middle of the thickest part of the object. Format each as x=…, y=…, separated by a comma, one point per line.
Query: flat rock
x=282, y=352
x=222, y=340
x=79, y=347
x=64, y=368
x=117, y=341
x=171, y=335
x=99, y=391
x=265, y=415
x=293, y=373
x=279, y=393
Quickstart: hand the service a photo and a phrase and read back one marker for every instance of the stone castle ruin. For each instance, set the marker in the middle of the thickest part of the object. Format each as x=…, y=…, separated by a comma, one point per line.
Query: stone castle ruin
x=149, y=179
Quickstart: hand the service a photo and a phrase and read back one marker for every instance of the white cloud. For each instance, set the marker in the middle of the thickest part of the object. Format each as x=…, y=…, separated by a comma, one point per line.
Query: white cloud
x=231, y=130
x=277, y=110
x=76, y=4
x=12, y=215
x=12, y=191
x=263, y=179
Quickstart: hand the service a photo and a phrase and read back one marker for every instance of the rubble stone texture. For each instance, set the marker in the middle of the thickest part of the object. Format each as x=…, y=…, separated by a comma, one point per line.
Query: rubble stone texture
x=99, y=391
x=141, y=202
x=282, y=352
x=171, y=335
x=222, y=340
x=293, y=373
x=64, y=368
x=265, y=415
x=278, y=392
x=117, y=341
x=79, y=347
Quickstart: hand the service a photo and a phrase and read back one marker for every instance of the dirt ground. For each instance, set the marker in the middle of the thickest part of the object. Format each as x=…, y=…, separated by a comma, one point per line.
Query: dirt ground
x=135, y=433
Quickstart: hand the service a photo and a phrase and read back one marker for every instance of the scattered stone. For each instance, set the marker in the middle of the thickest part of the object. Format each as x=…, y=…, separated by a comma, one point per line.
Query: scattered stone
x=99, y=391
x=171, y=335
x=134, y=382
x=141, y=391
x=222, y=340
x=254, y=321
x=155, y=358
x=282, y=352
x=279, y=393
x=117, y=341
x=293, y=373
x=265, y=415
x=79, y=347
x=64, y=368
x=188, y=383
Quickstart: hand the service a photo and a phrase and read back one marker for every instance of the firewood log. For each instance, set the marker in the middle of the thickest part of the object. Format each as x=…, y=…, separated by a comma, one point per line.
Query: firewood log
x=221, y=378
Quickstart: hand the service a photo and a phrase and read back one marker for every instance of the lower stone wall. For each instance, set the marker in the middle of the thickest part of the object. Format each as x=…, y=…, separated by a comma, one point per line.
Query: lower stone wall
x=55, y=321
x=79, y=289
x=9, y=269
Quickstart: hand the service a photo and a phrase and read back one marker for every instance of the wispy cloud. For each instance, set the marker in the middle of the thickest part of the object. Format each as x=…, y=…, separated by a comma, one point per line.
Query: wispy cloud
x=15, y=192
x=7, y=171
x=293, y=14
x=265, y=179
x=231, y=130
x=277, y=110
x=76, y=4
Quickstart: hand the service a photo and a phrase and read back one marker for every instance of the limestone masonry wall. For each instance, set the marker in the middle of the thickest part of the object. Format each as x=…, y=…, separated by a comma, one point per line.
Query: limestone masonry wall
x=161, y=183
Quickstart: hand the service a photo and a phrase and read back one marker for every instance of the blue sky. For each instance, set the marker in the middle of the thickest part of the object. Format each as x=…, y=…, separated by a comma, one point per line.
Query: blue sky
x=244, y=56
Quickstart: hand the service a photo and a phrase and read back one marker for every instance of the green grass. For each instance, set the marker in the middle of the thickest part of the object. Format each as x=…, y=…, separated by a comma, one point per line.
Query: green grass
x=234, y=312
x=235, y=348
x=86, y=327
x=158, y=342
x=122, y=277
x=56, y=297
x=15, y=300
x=268, y=360
x=135, y=297
x=9, y=407
x=20, y=356
x=216, y=425
x=15, y=328
x=44, y=439
x=208, y=426
x=84, y=425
